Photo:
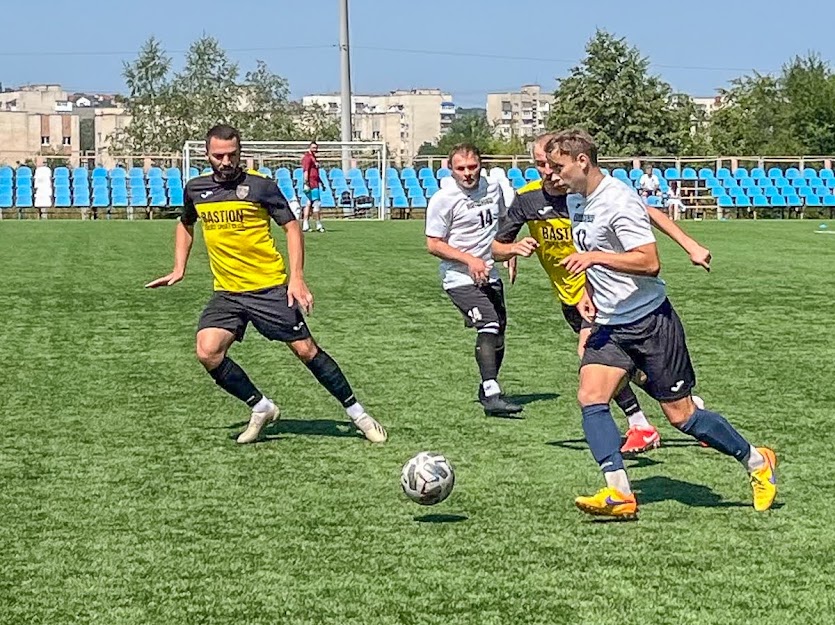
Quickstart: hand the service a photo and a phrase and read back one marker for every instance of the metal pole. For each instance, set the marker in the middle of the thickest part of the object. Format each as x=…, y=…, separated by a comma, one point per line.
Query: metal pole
x=345, y=59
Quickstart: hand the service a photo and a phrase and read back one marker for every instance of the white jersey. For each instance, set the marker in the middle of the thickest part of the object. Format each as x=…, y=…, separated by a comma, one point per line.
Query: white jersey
x=613, y=220
x=467, y=221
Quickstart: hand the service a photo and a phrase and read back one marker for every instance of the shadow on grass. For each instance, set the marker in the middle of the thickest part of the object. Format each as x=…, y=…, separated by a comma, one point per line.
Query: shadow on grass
x=301, y=427
x=441, y=518
x=661, y=488
x=531, y=398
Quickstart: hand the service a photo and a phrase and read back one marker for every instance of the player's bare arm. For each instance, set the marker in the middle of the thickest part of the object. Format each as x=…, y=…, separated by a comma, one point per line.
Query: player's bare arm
x=183, y=239
x=506, y=251
x=478, y=269
x=297, y=290
x=698, y=254
x=640, y=261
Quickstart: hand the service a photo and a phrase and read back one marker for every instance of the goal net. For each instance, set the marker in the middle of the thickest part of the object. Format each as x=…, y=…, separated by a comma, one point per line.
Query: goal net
x=353, y=174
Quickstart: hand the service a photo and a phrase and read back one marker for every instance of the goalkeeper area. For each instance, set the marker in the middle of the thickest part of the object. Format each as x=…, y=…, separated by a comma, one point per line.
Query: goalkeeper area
x=355, y=175
x=126, y=500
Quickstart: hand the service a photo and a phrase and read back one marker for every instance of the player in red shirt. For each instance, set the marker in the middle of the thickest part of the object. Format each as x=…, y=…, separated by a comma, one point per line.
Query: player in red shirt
x=312, y=185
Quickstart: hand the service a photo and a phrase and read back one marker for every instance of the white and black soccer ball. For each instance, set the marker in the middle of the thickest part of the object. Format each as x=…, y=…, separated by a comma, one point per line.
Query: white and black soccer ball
x=427, y=478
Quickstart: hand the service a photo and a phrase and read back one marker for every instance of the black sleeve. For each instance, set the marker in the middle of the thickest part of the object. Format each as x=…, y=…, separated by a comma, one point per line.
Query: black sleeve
x=276, y=204
x=512, y=223
x=188, y=214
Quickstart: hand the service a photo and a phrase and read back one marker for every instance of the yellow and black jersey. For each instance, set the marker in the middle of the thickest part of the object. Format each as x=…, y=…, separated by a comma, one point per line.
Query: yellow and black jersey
x=236, y=227
x=549, y=223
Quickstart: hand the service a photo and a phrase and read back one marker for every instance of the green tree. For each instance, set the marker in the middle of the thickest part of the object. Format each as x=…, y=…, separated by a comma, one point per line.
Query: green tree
x=612, y=95
x=467, y=127
x=148, y=88
x=87, y=134
x=808, y=87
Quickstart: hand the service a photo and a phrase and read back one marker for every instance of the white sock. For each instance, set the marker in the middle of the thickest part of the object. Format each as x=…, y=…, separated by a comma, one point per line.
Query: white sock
x=619, y=480
x=355, y=411
x=638, y=420
x=754, y=460
x=263, y=405
x=305, y=224
x=491, y=387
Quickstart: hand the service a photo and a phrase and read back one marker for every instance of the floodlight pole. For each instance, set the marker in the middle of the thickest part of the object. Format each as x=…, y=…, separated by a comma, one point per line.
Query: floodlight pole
x=345, y=59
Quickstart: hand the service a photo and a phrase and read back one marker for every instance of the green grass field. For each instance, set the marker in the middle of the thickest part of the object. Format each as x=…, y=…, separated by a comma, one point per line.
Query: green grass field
x=124, y=499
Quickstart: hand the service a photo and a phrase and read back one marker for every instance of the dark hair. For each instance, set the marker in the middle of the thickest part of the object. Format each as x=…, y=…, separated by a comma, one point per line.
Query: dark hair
x=574, y=143
x=223, y=132
x=464, y=148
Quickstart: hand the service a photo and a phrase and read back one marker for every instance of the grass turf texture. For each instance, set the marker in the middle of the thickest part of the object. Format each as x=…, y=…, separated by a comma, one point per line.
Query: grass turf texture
x=124, y=498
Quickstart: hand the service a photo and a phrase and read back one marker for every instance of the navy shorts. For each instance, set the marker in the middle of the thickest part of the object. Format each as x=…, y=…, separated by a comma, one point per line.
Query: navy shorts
x=482, y=306
x=266, y=309
x=655, y=344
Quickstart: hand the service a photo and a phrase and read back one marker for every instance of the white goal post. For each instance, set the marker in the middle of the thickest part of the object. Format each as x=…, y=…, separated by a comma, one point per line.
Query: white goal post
x=360, y=191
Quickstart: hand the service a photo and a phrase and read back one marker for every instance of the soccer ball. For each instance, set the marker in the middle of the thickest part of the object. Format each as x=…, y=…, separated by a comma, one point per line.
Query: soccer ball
x=427, y=478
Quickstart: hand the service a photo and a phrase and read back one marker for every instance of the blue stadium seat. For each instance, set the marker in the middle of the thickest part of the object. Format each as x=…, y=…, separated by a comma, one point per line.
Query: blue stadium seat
x=742, y=202
x=175, y=183
x=810, y=174
x=761, y=202
x=60, y=173
x=531, y=174
x=62, y=198
x=830, y=183
x=654, y=200
x=99, y=173
x=764, y=183
x=740, y=173
x=419, y=202
x=794, y=200
x=137, y=172
x=408, y=172
x=138, y=199
x=193, y=172
x=443, y=172
x=787, y=190
x=775, y=172
x=706, y=173
x=723, y=173
x=154, y=172
x=747, y=183
x=282, y=173
x=737, y=192
x=264, y=171
x=101, y=200
x=805, y=192
x=175, y=198
x=821, y=190
x=328, y=200
x=174, y=173
x=718, y=192
x=400, y=202
x=156, y=183
x=813, y=200
x=117, y=173
x=620, y=174
x=79, y=173
x=515, y=172
x=793, y=173
x=799, y=182
x=826, y=174
x=688, y=173
x=430, y=191
x=373, y=173
x=778, y=201
x=425, y=173
x=23, y=172
x=413, y=193
x=81, y=200
x=725, y=202
x=781, y=182
x=771, y=192
x=6, y=173
x=754, y=192
x=671, y=173
x=7, y=199
x=158, y=200
x=517, y=183
x=829, y=200
x=758, y=173
x=635, y=173
x=99, y=183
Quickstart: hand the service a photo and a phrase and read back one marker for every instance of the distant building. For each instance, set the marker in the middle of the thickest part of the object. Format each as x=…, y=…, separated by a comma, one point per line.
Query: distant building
x=709, y=104
x=37, y=120
x=403, y=119
x=521, y=113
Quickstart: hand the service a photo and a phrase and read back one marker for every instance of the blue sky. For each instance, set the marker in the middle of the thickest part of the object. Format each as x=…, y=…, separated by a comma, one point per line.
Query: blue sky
x=467, y=49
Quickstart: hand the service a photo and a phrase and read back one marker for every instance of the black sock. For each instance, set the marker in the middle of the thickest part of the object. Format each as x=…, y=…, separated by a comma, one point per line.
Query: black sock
x=486, y=355
x=500, y=354
x=627, y=401
x=229, y=376
x=331, y=377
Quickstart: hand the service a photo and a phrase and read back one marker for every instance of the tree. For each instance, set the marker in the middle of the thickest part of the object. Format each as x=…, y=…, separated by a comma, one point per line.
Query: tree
x=629, y=112
x=87, y=134
x=467, y=127
x=148, y=86
x=168, y=110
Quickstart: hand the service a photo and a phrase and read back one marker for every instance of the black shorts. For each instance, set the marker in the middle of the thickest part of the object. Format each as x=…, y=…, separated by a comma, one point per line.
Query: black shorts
x=574, y=318
x=482, y=306
x=654, y=344
x=267, y=310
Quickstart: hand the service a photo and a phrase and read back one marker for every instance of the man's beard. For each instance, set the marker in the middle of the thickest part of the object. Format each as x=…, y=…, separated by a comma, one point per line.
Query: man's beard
x=227, y=173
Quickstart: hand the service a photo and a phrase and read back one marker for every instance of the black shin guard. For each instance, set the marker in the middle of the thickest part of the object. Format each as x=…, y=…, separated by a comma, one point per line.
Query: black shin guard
x=499, y=353
x=487, y=355
x=331, y=377
x=627, y=401
x=229, y=376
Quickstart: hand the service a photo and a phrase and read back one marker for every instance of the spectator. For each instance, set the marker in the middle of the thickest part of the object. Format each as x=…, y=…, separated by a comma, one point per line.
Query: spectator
x=675, y=207
x=312, y=184
x=649, y=182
